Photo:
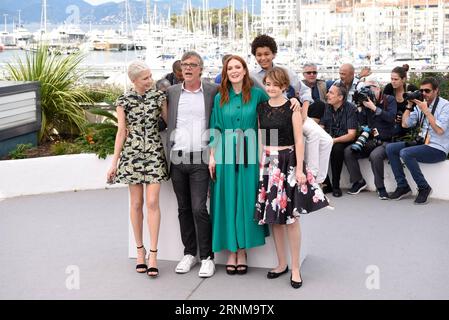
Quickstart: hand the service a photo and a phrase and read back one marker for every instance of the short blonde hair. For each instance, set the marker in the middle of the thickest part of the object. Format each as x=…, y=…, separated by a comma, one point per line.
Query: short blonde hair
x=135, y=68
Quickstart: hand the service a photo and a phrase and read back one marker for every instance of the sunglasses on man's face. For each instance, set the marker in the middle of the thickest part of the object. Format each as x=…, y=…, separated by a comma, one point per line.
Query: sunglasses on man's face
x=425, y=90
x=311, y=72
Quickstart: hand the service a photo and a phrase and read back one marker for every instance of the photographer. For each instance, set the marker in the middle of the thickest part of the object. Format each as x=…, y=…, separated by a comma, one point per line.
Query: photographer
x=431, y=146
x=396, y=88
x=377, y=112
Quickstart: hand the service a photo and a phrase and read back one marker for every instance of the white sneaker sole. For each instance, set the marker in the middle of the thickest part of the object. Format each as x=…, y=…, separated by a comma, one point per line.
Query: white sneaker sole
x=206, y=275
x=181, y=271
x=358, y=191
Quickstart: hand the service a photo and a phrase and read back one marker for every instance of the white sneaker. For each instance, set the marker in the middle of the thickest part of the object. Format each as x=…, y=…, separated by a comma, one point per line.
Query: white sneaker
x=207, y=268
x=186, y=263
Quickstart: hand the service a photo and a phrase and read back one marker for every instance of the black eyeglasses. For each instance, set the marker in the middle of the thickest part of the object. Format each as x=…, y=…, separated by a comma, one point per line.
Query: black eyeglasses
x=311, y=72
x=425, y=90
x=189, y=65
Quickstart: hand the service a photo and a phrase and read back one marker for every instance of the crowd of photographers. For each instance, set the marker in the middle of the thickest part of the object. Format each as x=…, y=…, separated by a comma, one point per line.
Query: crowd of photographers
x=400, y=122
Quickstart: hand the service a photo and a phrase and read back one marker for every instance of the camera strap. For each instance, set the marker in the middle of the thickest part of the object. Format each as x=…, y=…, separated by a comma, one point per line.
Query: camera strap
x=422, y=116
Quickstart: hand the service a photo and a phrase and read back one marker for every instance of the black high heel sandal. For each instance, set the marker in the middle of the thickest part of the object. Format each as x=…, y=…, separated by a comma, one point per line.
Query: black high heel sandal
x=152, y=269
x=142, y=265
x=244, y=267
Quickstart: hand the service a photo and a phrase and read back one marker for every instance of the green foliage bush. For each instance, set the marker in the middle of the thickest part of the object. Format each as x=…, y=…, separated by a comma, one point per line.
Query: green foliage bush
x=443, y=79
x=19, y=151
x=100, y=137
x=102, y=92
x=64, y=147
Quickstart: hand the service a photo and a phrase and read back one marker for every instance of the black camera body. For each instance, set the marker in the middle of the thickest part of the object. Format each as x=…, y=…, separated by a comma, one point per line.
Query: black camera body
x=362, y=95
x=418, y=141
x=413, y=95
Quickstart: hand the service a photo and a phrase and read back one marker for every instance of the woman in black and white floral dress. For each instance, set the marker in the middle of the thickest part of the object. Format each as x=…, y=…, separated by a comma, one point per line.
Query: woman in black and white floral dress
x=286, y=188
x=139, y=158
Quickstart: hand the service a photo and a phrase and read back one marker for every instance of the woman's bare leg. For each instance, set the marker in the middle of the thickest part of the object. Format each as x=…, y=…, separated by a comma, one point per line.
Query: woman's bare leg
x=136, y=216
x=294, y=239
x=154, y=221
x=279, y=241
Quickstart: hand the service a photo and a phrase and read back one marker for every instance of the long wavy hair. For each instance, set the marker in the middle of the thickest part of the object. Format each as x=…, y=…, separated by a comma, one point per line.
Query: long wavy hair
x=225, y=85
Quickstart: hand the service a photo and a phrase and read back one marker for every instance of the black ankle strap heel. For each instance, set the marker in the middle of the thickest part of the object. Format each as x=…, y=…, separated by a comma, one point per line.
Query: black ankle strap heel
x=141, y=268
x=154, y=271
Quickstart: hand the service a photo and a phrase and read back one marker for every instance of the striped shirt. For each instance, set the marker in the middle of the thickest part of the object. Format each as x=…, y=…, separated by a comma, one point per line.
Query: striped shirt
x=338, y=122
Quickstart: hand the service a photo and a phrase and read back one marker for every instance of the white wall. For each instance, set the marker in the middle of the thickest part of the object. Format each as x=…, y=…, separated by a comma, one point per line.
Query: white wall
x=436, y=174
x=52, y=174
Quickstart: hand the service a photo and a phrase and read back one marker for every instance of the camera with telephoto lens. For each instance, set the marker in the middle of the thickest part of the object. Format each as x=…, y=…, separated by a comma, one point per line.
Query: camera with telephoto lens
x=360, y=143
x=415, y=95
x=362, y=95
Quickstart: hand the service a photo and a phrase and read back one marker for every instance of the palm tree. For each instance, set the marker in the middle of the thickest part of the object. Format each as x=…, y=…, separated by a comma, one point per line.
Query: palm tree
x=60, y=94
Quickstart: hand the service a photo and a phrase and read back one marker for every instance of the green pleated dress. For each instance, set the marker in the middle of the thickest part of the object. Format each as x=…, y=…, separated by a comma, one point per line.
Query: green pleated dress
x=234, y=192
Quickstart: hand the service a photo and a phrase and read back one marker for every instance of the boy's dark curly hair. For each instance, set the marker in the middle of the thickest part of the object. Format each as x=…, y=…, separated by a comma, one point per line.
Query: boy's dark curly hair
x=264, y=40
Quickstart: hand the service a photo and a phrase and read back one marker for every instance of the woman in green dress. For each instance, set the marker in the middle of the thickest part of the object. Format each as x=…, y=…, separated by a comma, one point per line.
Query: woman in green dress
x=234, y=165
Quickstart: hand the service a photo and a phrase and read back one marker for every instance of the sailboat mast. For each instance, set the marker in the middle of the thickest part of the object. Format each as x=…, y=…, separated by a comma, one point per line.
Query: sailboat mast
x=148, y=8
x=44, y=16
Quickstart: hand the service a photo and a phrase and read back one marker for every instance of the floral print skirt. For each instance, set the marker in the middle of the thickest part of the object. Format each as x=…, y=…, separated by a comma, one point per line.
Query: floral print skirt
x=280, y=199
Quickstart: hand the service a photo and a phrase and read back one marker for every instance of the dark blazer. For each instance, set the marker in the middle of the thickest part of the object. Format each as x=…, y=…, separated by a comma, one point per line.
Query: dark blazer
x=173, y=95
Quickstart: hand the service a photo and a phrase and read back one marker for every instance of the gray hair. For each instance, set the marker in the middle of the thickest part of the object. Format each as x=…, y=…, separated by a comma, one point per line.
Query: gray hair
x=372, y=79
x=190, y=54
x=309, y=64
x=135, y=68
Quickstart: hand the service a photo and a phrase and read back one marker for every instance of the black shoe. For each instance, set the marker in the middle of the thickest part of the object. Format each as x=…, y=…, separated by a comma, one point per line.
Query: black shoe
x=423, y=195
x=326, y=188
x=357, y=187
x=337, y=192
x=382, y=193
x=295, y=284
x=400, y=193
x=274, y=275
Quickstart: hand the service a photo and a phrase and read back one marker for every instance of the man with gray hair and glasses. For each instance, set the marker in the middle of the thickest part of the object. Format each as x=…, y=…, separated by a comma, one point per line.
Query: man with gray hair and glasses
x=318, y=86
x=189, y=107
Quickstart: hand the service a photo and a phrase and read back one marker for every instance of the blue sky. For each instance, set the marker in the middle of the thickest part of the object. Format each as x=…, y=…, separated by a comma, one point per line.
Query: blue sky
x=95, y=2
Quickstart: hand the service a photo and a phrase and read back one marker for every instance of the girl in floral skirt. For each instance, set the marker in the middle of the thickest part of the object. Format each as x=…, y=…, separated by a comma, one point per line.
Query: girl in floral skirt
x=286, y=188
